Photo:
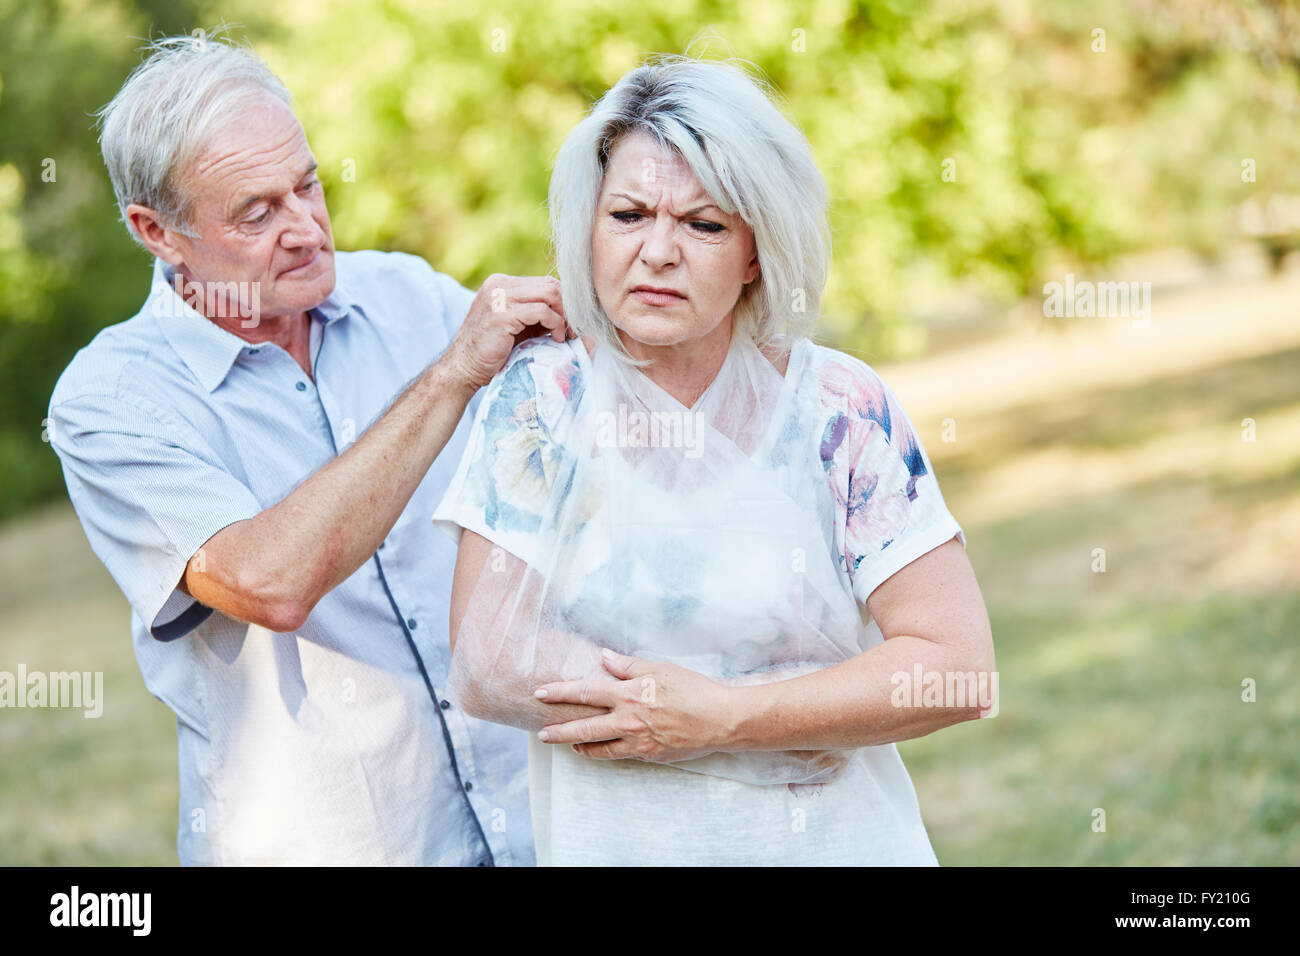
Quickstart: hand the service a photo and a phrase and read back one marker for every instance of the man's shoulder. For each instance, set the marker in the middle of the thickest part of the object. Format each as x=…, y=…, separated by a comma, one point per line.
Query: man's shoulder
x=368, y=261
x=400, y=283
x=118, y=355
x=376, y=270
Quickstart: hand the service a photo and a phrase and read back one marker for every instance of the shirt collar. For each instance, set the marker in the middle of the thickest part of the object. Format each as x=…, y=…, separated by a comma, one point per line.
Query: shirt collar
x=207, y=349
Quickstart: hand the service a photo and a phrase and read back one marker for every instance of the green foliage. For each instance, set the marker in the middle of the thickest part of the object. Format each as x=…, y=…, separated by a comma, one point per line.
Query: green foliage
x=435, y=125
x=67, y=268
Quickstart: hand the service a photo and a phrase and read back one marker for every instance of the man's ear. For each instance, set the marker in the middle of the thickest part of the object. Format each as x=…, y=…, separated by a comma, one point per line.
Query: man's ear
x=157, y=238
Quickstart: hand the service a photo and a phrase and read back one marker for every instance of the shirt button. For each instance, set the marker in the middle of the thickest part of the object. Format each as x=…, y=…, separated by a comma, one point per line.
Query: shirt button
x=468, y=785
x=381, y=545
x=446, y=705
x=253, y=351
x=302, y=386
x=411, y=623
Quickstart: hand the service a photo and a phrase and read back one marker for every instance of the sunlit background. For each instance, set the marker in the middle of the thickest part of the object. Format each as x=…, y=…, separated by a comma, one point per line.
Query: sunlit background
x=1129, y=484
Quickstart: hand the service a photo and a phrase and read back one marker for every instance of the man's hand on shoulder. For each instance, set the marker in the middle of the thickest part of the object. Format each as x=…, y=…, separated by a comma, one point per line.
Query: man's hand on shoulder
x=506, y=311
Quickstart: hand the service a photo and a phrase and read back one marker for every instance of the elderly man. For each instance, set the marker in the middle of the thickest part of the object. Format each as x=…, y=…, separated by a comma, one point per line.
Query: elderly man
x=248, y=463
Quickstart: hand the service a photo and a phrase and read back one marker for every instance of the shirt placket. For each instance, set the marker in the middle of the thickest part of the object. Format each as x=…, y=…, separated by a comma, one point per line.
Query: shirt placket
x=485, y=808
x=456, y=733
x=387, y=559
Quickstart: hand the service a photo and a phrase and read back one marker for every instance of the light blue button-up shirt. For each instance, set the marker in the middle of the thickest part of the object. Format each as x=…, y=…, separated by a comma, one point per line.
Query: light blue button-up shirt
x=334, y=744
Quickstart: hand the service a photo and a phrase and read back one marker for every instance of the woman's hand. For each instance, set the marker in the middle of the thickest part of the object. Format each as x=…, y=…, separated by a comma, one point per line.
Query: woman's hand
x=657, y=711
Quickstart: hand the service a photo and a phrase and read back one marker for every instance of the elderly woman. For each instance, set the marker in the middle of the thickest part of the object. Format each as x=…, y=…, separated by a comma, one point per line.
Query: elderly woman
x=705, y=559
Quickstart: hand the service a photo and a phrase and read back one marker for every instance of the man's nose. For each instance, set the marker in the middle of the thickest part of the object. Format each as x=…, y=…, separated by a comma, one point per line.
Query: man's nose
x=660, y=247
x=302, y=231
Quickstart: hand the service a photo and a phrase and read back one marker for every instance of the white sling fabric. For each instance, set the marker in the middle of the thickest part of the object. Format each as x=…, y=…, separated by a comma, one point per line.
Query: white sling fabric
x=703, y=536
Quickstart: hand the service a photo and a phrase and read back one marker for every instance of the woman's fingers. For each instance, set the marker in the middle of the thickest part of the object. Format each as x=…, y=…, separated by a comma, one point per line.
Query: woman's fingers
x=622, y=666
x=584, y=731
x=607, y=750
x=594, y=693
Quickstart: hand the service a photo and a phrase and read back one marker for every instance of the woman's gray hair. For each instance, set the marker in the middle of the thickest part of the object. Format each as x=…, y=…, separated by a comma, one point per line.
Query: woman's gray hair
x=748, y=157
x=185, y=91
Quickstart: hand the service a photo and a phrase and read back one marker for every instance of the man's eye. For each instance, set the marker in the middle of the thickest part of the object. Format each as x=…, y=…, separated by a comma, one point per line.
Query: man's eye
x=308, y=187
x=626, y=216
x=266, y=214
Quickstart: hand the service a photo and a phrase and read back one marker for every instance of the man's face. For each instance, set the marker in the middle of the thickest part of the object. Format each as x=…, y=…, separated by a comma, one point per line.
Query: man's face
x=260, y=213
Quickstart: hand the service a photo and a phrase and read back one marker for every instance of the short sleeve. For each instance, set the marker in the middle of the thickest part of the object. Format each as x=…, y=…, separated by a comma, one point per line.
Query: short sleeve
x=895, y=510
x=149, y=494
x=503, y=487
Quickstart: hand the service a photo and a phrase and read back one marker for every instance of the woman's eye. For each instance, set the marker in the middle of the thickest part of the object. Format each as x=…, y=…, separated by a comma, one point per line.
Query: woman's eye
x=703, y=225
x=626, y=216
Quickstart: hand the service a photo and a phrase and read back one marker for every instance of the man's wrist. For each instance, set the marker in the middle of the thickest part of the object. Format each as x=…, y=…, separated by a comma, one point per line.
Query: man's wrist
x=447, y=376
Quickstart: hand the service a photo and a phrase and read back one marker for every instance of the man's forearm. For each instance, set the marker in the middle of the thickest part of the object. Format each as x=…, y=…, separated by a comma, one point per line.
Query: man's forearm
x=281, y=562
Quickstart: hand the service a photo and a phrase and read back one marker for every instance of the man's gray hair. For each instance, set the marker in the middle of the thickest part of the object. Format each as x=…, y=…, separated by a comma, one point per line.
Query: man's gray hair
x=185, y=91
x=748, y=157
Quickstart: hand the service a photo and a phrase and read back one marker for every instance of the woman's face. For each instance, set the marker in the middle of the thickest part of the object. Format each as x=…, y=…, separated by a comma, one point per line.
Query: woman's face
x=668, y=264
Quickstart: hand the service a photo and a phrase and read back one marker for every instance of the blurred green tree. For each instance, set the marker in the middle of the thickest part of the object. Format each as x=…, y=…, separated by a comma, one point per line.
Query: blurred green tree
x=969, y=148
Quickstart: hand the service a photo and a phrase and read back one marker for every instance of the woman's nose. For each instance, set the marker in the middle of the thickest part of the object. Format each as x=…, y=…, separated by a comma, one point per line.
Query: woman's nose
x=660, y=247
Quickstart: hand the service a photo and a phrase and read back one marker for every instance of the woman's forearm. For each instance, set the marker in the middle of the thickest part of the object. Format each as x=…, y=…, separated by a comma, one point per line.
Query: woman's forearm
x=511, y=702
x=497, y=682
x=501, y=685
x=867, y=700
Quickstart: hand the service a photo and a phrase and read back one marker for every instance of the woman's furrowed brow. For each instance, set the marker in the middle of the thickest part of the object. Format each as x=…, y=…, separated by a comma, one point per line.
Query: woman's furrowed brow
x=640, y=204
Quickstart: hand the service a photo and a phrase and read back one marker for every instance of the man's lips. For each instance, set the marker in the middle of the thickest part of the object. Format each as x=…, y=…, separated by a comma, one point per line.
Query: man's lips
x=303, y=266
x=657, y=295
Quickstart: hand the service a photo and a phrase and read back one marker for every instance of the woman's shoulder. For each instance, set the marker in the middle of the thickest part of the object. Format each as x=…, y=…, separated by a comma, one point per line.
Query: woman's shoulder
x=538, y=388
x=848, y=386
x=543, y=368
x=544, y=353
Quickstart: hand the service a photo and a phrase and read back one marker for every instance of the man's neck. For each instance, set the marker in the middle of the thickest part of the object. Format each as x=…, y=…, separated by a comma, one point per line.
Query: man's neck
x=282, y=330
x=291, y=332
x=228, y=306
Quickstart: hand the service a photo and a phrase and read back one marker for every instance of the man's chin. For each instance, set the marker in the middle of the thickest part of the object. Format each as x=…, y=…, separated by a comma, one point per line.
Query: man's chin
x=298, y=294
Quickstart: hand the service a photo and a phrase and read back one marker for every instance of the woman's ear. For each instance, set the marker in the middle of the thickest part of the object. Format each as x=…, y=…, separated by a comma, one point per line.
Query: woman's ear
x=752, y=270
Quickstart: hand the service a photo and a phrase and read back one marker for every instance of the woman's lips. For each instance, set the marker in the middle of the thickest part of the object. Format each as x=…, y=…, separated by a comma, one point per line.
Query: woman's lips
x=658, y=296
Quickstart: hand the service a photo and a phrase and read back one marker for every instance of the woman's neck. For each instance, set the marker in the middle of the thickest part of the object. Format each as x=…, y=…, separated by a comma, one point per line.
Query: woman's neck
x=685, y=369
